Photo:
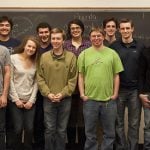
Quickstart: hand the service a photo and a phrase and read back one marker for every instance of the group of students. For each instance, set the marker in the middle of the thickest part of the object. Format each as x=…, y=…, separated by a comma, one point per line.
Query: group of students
x=51, y=85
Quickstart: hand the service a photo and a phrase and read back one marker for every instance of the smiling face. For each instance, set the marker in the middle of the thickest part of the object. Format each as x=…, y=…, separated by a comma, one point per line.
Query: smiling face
x=75, y=31
x=110, y=28
x=44, y=35
x=126, y=30
x=5, y=28
x=97, y=39
x=57, y=41
x=30, y=48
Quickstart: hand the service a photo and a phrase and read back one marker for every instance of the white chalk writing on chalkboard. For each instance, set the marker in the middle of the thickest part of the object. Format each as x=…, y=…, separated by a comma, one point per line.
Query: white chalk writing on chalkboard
x=22, y=26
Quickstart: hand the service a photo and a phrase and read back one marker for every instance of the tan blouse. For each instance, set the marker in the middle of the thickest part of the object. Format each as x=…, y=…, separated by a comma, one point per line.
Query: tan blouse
x=23, y=85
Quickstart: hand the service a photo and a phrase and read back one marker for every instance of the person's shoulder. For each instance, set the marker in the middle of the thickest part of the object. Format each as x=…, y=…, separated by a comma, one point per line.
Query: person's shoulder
x=3, y=49
x=16, y=41
x=86, y=40
x=14, y=55
x=139, y=43
x=146, y=51
x=110, y=50
x=69, y=53
x=116, y=43
x=67, y=42
x=45, y=55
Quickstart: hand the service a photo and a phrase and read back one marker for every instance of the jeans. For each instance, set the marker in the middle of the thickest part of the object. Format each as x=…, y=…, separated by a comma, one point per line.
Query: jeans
x=56, y=117
x=130, y=99
x=22, y=121
x=106, y=113
x=2, y=129
x=147, y=129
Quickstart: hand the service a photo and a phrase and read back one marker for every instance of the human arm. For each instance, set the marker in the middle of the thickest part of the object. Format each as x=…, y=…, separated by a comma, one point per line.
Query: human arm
x=3, y=97
x=72, y=79
x=42, y=85
x=116, y=87
x=143, y=81
x=81, y=87
x=31, y=101
x=145, y=100
x=12, y=91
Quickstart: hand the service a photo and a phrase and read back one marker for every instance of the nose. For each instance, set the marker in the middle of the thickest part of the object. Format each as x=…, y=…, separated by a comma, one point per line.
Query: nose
x=96, y=37
x=125, y=30
x=31, y=48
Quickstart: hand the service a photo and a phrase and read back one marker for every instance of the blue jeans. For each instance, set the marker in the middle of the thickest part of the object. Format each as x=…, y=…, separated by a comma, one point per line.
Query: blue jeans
x=106, y=112
x=130, y=99
x=147, y=129
x=22, y=120
x=2, y=129
x=56, y=117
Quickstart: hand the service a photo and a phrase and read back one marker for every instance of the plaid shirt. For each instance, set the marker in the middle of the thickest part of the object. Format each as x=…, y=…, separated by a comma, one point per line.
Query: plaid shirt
x=68, y=46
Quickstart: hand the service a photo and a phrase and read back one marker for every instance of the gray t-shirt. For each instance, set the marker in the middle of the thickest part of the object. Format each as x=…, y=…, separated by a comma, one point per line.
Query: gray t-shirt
x=4, y=61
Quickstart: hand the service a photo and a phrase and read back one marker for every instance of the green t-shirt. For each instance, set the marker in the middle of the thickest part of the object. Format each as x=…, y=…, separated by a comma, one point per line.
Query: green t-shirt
x=99, y=68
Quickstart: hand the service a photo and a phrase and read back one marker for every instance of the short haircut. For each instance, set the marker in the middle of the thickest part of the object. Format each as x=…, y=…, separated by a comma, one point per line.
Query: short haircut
x=58, y=30
x=126, y=20
x=77, y=22
x=105, y=21
x=97, y=29
x=5, y=18
x=43, y=25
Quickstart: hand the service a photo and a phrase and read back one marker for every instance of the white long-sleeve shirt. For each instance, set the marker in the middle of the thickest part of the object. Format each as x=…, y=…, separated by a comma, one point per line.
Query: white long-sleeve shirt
x=23, y=85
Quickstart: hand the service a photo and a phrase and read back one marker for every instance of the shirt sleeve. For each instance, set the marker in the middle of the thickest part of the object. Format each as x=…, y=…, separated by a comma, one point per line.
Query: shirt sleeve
x=7, y=58
x=43, y=87
x=34, y=92
x=81, y=62
x=12, y=92
x=118, y=67
x=70, y=87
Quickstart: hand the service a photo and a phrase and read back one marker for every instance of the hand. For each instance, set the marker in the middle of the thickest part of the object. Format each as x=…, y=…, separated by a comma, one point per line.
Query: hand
x=51, y=96
x=28, y=105
x=84, y=98
x=58, y=97
x=145, y=101
x=114, y=97
x=3, y=101
x=19, y=104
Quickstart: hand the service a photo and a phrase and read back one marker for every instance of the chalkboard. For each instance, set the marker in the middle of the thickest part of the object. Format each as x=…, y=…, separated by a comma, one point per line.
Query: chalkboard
x=25, y=22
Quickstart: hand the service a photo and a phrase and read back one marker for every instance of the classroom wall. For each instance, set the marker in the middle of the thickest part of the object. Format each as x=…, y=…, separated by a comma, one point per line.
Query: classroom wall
x=75, y=3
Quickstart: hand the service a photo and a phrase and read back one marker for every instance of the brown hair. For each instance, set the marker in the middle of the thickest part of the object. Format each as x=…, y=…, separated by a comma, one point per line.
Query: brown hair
x=97, y=29
x=20, y=48
x=58, y=30
x=5, y=18
x=126, y=20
